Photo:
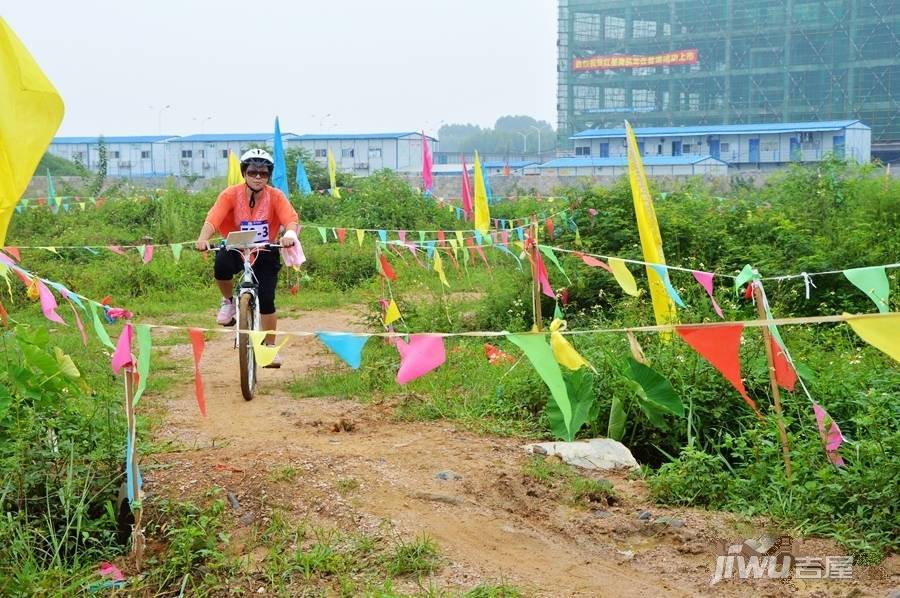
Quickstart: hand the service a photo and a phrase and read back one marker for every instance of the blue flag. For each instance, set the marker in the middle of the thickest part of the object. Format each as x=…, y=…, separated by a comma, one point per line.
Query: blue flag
x=302, y=180
x=347, y=346
x=487, y=185
x=279, y=174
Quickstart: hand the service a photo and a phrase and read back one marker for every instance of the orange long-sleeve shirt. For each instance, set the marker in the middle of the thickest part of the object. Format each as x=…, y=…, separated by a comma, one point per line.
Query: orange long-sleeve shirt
x=232, y=210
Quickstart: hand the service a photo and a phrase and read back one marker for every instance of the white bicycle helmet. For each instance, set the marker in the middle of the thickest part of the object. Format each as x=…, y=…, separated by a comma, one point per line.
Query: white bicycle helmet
x=257, y=157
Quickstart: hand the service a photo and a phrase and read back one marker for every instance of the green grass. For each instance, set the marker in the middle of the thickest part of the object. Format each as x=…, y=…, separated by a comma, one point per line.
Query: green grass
x=416, y=557
x=573, y=487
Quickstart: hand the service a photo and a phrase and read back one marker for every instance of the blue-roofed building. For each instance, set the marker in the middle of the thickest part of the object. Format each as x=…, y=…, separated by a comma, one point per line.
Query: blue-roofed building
x=747, y=146
x=364, y=153
x=618, y=165
x=206, y=154
x=130, y=156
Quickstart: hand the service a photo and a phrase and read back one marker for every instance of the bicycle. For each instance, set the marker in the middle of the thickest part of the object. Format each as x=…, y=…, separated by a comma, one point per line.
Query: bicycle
x=245, y=298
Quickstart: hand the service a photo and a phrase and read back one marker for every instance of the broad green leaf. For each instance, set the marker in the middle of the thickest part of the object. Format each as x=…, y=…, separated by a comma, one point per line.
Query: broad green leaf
x=66, y=365
x=580, y=386
x=656, y=389
x=616, y=427
x=36, y=358
x=654, y=413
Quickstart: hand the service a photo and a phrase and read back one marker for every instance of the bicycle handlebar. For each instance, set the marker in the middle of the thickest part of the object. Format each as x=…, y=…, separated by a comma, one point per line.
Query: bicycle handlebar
x=225, y=247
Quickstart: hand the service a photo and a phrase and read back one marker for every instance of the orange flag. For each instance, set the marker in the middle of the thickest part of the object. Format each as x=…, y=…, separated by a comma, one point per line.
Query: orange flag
x=720, y=346
x=386, y=269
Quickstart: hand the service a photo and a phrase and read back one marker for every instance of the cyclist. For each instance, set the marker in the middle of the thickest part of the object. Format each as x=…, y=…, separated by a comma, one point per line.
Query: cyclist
x=251, y=205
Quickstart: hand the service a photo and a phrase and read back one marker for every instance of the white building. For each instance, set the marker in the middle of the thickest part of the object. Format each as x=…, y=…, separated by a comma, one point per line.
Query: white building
x=134, y=156
x=618, y=166
x=206, y=154
x=741, y=146
x=366, y=153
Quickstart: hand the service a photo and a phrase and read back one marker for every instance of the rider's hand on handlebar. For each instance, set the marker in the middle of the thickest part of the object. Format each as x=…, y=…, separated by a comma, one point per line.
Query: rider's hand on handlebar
x=288, y=239
x=202, y=245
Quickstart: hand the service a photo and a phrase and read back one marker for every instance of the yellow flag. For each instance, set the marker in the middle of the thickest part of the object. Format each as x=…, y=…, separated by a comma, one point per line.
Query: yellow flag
x=623, y=276
x=264, y=354
x=648, y=228
x=482, y=213
x=332, y=176
x=30, y=113
x=360, y=235
x=392, y=314
x=439, y=268
x=563, y=351
x=883, y=333
x=234, y=170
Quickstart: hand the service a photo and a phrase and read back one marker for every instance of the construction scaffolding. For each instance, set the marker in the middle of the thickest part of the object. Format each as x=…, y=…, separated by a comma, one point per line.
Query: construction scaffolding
x=696, y=62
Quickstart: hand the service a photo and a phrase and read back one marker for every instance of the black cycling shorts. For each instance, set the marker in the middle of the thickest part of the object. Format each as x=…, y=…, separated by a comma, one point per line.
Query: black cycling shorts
x=266, y=267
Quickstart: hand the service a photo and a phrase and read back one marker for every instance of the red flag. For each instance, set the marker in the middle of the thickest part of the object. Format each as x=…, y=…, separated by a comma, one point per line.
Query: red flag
x=785, y=376
x=720, y=346
x=441, y=237
x=4, y=317
x=549, y=224
x=386, y=269
x=14, y=252
x=542, y=276
x=341, y=235
x=197, y=343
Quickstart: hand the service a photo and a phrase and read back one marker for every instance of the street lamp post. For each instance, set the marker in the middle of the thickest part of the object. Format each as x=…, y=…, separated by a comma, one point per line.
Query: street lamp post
x=159, y=118
x=539, y=140
x=202, y=121
x=524, y=141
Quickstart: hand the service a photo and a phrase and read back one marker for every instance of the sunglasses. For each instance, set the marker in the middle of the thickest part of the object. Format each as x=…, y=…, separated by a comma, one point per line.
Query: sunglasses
x=258, y=174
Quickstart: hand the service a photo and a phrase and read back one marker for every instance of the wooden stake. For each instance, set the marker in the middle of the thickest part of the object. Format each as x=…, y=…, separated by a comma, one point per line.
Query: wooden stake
x=776, y=392
x=537, y=317
x=137, y=533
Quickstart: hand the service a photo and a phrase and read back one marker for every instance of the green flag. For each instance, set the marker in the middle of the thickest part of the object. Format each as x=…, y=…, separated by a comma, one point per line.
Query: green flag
x=873, y=282
x=541, y=356
x=143, y=366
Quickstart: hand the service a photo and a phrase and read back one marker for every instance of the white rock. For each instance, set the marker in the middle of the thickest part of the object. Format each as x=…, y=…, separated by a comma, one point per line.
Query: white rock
x=596, y=453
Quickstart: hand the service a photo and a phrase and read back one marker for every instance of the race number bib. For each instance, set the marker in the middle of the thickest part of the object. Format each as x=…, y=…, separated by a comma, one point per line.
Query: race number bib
x=261, y=227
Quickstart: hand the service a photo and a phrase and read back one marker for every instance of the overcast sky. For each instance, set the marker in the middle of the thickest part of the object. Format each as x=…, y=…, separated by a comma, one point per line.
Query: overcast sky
x=373, y=66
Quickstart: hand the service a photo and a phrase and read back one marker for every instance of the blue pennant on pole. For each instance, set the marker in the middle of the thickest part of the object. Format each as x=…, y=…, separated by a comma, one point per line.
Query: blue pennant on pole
x=279, y=174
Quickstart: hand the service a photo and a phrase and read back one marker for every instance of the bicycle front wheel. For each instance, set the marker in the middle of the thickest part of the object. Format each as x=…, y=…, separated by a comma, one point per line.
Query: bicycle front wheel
x=247, y=321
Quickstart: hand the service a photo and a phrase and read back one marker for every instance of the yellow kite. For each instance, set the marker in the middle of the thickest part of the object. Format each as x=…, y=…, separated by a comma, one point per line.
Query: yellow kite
x=332, y=176
x=648, y=228
x=234, y=170
x=30, y=113
x=482, y=213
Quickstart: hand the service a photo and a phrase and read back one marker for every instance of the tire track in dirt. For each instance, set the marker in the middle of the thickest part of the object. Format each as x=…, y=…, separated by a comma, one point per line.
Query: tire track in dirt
x=488, y=525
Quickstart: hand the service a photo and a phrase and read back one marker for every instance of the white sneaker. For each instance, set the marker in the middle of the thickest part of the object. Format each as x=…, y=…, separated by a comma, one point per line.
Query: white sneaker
x=276, y=363
x=226, y=314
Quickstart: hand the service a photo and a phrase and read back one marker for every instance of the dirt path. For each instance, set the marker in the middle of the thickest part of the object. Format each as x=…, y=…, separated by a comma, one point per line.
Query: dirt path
x=489, y=521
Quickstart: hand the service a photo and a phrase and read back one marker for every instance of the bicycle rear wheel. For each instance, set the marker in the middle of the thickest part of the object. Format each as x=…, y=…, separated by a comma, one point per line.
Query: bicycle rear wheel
x=247, y=321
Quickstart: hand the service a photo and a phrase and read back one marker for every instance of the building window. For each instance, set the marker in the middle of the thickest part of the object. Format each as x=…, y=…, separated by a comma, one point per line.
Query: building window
x=145, y=155
x=321, y=153
x=587, y=27
x=614, y=28
x=586, y=97
x=225, y=154
x=201, y=153
x=643, y=99
x=114, y=155
x=614, y=97
x=686, y=148
x=187, y=154
x=724, y=147
x=374, y=152
x=78, y=156
x=641, y=29
x=583, y=151
x=347, y=153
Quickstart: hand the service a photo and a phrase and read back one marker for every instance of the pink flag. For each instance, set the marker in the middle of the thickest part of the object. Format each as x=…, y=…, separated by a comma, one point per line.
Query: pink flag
x=466, y=194
x=427, y=181
x=706, y=281
x=123, y=356
x=833, y=438
x=504, y=238
x=594, y=262
x=78, y=322
x=542, y=276
x=14, y=252
x=197, y=344
x=148, y=253
x=116, y=249
x=48, y=302
x=422, y=354
x=401, y=234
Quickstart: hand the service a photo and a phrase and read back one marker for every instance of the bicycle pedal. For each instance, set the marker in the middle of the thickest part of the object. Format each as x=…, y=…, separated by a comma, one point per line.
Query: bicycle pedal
x=231, y=323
